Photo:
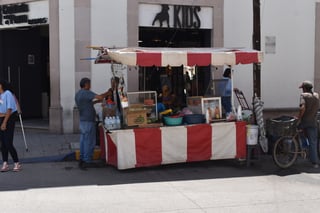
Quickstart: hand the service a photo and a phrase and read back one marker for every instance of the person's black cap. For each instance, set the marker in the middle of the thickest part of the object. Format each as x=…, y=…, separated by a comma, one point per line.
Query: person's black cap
x=84, y=81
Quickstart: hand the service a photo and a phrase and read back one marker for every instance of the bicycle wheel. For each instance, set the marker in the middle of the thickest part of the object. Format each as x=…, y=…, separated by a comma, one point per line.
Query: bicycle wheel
x=285, y=152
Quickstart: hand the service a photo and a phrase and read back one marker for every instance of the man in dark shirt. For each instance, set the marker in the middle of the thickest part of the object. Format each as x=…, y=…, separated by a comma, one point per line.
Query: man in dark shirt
x=85, y=100
x=309, y=106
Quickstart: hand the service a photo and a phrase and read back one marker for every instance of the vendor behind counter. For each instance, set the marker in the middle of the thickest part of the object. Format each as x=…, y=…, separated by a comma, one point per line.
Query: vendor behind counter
x=166, y=98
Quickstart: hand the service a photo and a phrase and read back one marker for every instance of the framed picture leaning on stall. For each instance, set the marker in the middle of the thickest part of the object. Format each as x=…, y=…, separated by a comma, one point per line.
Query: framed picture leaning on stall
x=212, y=107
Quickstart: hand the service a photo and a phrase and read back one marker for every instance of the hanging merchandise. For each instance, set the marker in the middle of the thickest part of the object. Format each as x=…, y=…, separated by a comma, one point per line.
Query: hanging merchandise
x=258, y=108
x=122, y=92
x=239, y=113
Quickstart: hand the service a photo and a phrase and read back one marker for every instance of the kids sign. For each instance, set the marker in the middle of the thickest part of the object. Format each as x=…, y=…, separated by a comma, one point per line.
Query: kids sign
x=24, y=14
x=175, y=16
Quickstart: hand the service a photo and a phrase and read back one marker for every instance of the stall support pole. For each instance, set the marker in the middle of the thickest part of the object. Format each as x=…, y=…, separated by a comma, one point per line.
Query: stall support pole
x=256, y=42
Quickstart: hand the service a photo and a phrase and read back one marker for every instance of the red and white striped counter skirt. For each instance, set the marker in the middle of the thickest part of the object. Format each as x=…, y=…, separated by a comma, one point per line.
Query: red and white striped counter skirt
x=166, y=145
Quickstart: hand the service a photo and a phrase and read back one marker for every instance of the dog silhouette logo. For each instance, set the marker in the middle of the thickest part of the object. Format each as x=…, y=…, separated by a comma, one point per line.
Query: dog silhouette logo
x=162, y=16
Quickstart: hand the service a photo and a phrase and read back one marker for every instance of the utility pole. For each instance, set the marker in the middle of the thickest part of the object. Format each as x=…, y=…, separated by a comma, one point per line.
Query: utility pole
x=256, y=43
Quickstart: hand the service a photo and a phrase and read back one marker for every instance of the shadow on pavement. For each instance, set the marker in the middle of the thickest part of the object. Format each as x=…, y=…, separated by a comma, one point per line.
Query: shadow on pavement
x=66, y=174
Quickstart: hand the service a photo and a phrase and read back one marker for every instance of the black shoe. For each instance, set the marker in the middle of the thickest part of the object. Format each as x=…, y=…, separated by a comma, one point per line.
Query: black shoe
x=82, y=165
x=93, y=165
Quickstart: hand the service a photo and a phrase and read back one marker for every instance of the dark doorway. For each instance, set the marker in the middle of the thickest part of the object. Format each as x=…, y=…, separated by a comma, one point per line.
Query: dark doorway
x=24, y=61
x=153, y=78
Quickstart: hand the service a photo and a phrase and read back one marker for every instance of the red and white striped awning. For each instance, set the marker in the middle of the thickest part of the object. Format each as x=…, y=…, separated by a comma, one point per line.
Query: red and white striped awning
x=162, y=57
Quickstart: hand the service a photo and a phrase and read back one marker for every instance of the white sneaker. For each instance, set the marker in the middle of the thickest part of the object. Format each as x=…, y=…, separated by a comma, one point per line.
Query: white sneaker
x=17, y=167
x=5, y=167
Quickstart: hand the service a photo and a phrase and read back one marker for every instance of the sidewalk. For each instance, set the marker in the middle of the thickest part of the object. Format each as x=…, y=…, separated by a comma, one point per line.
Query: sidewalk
x=43, y=146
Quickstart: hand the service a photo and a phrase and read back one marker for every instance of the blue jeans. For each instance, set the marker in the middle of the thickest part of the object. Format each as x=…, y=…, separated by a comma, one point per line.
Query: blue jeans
x=312, y=135
x=87, y=140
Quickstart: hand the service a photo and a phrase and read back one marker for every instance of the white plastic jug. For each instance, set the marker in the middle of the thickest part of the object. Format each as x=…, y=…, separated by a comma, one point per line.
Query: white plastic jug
x=252, y=134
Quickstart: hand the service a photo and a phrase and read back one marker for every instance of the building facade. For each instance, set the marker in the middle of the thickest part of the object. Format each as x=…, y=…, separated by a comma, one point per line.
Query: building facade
x=43, y=42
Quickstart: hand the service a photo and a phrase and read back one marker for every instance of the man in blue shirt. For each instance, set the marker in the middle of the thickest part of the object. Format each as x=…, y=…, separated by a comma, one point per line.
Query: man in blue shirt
x=85, y=100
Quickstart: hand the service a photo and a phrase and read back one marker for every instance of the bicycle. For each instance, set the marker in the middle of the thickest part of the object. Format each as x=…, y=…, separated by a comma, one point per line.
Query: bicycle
x=289, y=146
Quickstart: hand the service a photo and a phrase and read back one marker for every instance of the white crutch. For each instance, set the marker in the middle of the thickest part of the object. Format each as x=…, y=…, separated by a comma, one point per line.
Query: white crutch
x=21, y=124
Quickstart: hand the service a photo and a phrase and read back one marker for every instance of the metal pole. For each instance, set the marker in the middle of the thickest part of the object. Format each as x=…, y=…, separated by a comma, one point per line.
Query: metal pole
x=21, y=124
x=256, y=43
x=23, y=134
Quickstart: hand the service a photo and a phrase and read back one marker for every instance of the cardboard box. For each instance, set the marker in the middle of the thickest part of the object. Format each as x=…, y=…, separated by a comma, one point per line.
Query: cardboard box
x=136, y=117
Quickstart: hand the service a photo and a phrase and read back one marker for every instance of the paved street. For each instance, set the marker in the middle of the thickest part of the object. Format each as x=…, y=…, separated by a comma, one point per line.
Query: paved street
x=216, y=186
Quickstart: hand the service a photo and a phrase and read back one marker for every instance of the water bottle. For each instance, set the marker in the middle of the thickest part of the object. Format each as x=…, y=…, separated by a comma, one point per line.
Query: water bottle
x=113, y=122
x=106, y=123
x=118, y=122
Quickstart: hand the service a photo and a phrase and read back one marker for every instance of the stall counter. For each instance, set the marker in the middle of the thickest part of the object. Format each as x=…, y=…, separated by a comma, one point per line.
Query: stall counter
x=146, y=147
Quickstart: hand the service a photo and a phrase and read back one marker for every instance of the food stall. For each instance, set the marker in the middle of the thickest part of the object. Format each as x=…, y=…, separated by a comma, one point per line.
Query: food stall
x=157, y=144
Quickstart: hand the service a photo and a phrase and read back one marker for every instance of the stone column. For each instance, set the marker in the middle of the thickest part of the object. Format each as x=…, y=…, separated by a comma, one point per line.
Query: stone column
x=317, y=50
x=55, y=110
x=82, y=39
